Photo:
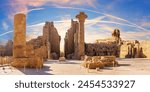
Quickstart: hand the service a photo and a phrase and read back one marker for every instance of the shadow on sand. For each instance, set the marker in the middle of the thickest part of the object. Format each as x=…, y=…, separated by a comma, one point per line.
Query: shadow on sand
x=111, y=68
x=124, y=65
x=31, y=71
x=65, y=62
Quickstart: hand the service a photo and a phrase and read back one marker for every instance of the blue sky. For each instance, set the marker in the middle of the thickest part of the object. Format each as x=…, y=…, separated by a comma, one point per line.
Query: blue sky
x=132, y=17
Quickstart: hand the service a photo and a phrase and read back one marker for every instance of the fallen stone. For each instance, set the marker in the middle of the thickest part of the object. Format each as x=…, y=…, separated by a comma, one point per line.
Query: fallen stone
x=62, y=59
x=109, y=61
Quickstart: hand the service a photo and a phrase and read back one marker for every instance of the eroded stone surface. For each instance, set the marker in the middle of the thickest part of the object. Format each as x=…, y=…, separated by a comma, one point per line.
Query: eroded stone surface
x=135, y=49
x=25, y=55
x=74, y=39
x=34, y=62
x=19, y=45
x=93, y=62
x=52, y=38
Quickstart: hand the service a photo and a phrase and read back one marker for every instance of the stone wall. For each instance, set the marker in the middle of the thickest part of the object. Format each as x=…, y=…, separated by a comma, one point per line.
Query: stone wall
x=124, y=51
x=2, y=50
x=48, y=44
x=51, y=39
x=129, y=49
x=9, y=48
x=74, y=40
x=6, y=50
x=135, y=49
x=105, y=47
x=37, y=42
x=70, y=37
x=70, y=40
x=145, y=48
x=101, y=49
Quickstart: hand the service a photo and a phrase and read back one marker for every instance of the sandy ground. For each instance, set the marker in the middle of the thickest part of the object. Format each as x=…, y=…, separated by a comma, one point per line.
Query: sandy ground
x=72, y=67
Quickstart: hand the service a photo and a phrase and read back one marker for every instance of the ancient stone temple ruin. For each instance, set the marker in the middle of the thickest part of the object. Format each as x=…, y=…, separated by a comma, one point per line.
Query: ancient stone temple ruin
x=74, y=39
x=52, y=39
x=81, y=44
x=71, y=40
x=2, y=50
x=47, y=46
x=7, y=50
x=49, y=42
x=135, y=49
x=20, y=56
x=36, y=47
x=75, y=47
x=105, y=47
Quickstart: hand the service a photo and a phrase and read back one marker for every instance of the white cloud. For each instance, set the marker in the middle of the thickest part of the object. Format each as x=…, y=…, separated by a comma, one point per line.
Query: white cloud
x=30, y=10
x=34, y=31
x=5, y=26
x=18, y=6
x=6, y=33
x=144, y=35
x=145, y=24
x=94, y=21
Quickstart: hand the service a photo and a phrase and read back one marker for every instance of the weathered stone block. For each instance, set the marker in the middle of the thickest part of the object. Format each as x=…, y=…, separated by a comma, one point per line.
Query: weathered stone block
x=5, y=60
x=109, y=61
x=35, y=62
x=62, y=59
x=92, y=62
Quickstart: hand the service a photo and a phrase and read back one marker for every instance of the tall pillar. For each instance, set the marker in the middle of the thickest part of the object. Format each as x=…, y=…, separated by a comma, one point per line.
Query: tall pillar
x=49, y=49
x=81, y=45
x=19, y=45
x=137, y=46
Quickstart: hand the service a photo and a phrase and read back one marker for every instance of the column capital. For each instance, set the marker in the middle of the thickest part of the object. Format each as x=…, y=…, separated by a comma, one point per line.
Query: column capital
x=81, y=16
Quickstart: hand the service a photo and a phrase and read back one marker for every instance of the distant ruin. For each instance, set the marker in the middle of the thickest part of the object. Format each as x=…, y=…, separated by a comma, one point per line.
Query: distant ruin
x=135, y=49
x=7, y=50
x=105, y=47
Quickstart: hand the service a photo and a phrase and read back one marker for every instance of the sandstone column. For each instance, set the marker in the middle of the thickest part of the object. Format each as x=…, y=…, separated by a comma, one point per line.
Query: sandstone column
x=137, y=54
x=81, y=45
x=49, y=49
x=19, y=46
